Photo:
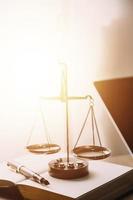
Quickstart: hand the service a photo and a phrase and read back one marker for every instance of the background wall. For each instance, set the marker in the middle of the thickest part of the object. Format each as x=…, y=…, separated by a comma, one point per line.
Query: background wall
x=94, y=39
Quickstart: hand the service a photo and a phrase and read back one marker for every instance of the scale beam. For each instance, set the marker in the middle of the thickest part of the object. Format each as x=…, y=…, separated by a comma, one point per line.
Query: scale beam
x=67, y=98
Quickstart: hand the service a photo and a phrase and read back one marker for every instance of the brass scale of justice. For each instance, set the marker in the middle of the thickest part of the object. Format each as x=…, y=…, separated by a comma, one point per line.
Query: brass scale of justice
x=71, y=167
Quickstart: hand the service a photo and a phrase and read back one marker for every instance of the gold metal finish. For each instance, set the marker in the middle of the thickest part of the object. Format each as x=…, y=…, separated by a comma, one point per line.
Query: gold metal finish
x=60, y=168
x=47, y=148
x=43, y=148
x=92, y=152
x=67, y=168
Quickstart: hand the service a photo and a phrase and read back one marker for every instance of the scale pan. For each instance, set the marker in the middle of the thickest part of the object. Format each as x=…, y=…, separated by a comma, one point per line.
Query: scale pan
x=43, y=148
x=92, y=152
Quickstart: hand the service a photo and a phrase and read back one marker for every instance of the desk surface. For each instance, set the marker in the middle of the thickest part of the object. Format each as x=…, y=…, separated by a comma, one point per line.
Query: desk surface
x=126, y=160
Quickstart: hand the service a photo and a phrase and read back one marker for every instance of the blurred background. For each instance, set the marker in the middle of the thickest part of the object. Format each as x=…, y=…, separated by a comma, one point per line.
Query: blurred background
x=93, y=38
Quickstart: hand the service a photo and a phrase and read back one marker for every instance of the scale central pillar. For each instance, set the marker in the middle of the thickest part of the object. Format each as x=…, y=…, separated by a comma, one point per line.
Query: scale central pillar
x=67, y=168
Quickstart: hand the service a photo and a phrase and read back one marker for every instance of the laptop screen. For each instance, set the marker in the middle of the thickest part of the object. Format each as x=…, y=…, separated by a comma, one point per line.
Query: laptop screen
x=117, y=94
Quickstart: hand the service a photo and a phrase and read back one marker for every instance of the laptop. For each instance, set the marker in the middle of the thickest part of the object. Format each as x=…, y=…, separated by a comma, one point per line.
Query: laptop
x=117, y=95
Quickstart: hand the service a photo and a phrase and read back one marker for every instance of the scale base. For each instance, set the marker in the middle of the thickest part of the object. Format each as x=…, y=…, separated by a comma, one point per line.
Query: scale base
x=62, y=169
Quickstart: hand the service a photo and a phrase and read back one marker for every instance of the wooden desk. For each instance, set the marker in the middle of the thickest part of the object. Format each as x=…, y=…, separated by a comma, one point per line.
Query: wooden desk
x=126, y=160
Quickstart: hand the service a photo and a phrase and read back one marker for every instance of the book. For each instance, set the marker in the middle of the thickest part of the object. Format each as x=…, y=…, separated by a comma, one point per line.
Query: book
x=104, y=181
